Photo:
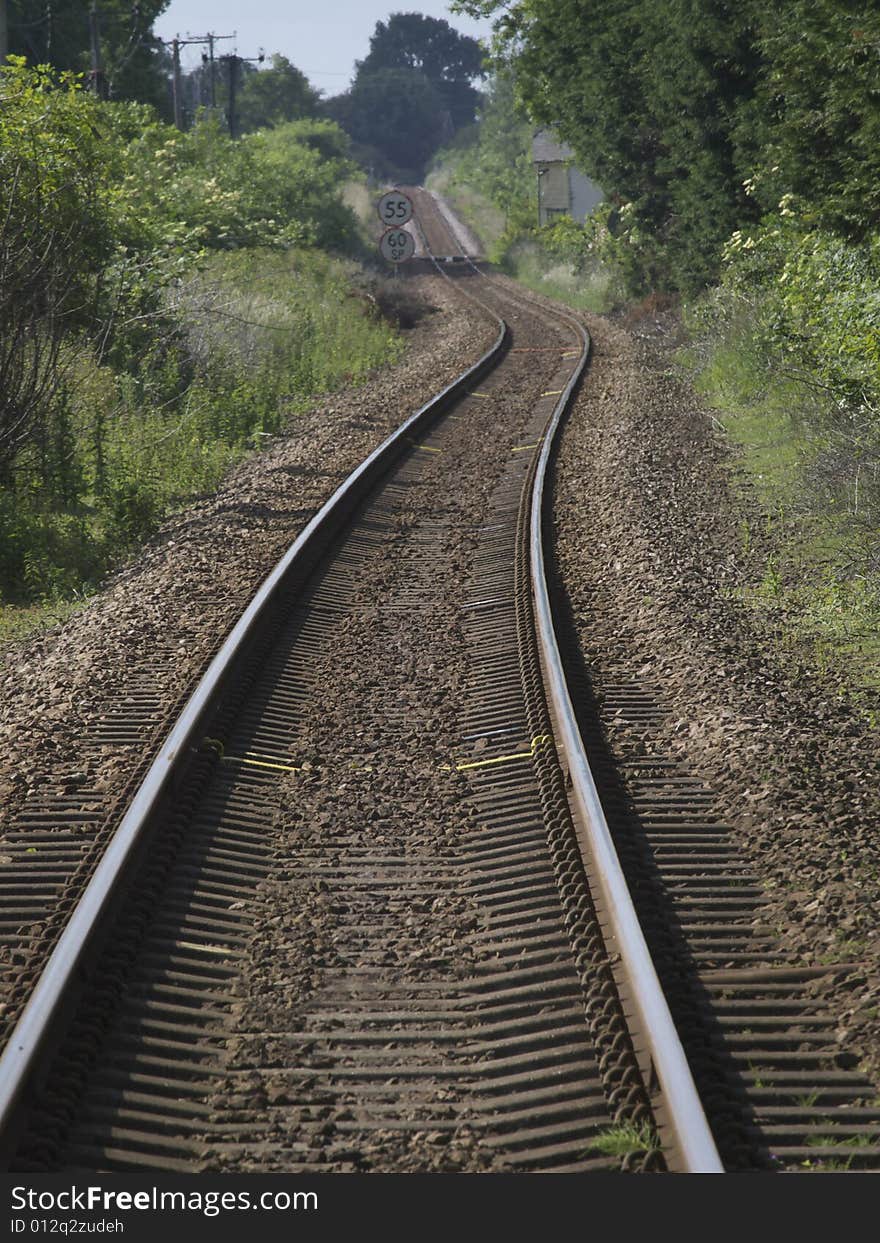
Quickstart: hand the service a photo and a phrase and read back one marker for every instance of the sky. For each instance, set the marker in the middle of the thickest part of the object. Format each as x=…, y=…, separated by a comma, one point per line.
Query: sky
x=323, y=38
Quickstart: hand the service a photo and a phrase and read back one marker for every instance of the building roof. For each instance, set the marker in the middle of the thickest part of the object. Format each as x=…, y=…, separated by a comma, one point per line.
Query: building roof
x=546, y=149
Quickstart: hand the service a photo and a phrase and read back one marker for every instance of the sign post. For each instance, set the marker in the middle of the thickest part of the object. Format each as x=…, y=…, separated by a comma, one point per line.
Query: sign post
x=396, y=244
x=395, y=208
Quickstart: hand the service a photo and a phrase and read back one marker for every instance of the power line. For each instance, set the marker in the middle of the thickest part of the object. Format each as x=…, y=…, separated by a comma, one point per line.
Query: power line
x=176, y=85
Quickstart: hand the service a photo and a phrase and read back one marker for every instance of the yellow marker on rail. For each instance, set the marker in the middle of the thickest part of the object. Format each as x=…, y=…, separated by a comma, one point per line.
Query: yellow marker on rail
x=424, y=448
x=553, y=392
x=248, y=759
x=541, y=740
x=522, y=448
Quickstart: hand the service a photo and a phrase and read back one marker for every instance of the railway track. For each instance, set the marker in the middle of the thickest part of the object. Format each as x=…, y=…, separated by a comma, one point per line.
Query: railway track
x=351, y=919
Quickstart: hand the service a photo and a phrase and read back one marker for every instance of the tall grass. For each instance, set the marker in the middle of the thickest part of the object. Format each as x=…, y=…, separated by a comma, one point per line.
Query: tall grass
x=590, y=287
x=819, y=586
x=236, y=349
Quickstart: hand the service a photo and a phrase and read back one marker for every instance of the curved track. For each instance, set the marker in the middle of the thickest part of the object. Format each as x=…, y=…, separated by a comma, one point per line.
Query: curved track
x=352, y=919
x=345, y=922
x=779, y=1088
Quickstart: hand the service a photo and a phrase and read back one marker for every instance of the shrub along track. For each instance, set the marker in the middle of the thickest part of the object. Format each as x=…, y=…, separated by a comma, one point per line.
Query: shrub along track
x=362, y=938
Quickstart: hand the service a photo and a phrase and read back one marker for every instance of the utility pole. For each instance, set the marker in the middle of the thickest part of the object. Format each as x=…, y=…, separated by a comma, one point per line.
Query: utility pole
x=176, y=93
x=232, y=69
x=96, y=77
x=176, y=83
x=212, y=71
x=4, y=33
x=232, y=64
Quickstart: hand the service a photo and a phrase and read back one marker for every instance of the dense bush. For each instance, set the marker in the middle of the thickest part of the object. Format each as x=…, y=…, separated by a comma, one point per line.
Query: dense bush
x=163, y=305
x=803, y=306
x=56, y=232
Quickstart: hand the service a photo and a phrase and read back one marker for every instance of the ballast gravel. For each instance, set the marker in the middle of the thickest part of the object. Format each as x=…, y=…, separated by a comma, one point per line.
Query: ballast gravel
x=649, y=531
x=650, y=510
x=151, y=632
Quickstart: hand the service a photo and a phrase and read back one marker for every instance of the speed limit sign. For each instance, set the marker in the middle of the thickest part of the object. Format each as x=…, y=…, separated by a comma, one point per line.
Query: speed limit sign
x=395, y=208
x=397, y=245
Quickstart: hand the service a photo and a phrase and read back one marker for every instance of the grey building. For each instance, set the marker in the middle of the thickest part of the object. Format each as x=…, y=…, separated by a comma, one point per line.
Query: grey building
x=563, y=190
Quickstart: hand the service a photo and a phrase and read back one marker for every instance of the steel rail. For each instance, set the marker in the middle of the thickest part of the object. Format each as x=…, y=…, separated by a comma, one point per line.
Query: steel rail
x=656, y=1026
x=39, y=1019
x=681, y=1100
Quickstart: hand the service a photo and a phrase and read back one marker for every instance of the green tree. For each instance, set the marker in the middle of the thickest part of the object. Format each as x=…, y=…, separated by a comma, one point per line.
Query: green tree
x=430, y=46
x=652, y=95
x=57, y=232
x=821, y=111
x=275, y=95
x=397, y=118
x=135, y=63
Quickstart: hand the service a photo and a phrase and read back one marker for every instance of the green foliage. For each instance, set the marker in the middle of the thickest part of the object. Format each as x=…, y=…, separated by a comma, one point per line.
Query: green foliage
x=275, y=95
x=648, y=96
x=160, y=313
x=58, y=35
x=54, y=200
x=738, y=144
x=322, y=136
x=822, y=100
x=588, y=287
x=498, y=159
x=298, y=169
x=625, y=1140
x=410, y=94
x=397, y=114
x=56, y=232
x=672, y=105
x=787, y=349
x=487, y=172
x=201, y=189
x=812, y=301
x=429, y=46
x=572, y=262
x=249, y=336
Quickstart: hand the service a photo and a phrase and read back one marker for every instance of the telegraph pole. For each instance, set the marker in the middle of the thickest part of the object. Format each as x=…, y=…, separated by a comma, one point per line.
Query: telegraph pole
x=176, y=83
x=4, y=33
x=232, y=68
x=176, y=92
x=96, y=77
x=212, y=71
x=232, y=63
